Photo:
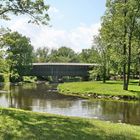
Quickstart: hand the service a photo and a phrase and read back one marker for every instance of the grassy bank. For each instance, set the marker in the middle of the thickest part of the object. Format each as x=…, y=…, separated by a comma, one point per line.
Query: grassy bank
x=111, y=89
x=23, y=125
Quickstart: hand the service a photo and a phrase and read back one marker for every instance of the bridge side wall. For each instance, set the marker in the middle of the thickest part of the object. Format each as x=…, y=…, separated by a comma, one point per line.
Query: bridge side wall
x=58, y=70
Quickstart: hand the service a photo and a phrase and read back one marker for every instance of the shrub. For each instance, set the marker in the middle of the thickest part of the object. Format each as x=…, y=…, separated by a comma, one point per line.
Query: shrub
x=1, y=78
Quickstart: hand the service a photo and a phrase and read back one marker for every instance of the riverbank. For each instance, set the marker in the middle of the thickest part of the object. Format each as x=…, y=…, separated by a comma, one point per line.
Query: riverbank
x=108, y=90
x=19, y=124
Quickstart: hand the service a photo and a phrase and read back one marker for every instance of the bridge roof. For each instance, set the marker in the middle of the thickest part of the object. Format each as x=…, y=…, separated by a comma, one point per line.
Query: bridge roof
x=70, y=64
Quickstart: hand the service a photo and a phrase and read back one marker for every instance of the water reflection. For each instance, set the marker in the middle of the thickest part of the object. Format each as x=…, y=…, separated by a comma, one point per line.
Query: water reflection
x=37, y=97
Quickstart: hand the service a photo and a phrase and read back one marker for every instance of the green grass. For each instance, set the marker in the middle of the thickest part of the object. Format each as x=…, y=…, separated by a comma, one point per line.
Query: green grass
x=111, y=88
x=25, y=125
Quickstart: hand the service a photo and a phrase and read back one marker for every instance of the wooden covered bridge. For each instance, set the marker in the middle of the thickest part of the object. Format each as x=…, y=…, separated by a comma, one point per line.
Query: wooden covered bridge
x=60, y=69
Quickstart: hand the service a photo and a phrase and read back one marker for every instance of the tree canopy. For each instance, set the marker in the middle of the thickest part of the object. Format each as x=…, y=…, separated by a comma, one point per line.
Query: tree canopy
x=120, y=34
x=19, y=52
x=35, y=9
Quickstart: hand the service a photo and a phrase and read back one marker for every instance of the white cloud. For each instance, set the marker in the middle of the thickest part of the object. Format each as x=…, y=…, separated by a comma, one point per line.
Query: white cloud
x=55, y=14
x=77, y=38
x=53, y=10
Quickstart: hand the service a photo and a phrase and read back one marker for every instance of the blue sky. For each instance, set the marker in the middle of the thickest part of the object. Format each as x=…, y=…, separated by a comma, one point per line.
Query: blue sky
x=75, y=12
x=74, y=22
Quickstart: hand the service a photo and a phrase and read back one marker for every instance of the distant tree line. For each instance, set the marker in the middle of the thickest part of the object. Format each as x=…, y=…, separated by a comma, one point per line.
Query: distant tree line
x=65, y=55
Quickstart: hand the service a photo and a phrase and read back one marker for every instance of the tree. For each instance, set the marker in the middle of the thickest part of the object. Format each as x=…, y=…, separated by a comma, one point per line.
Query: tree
x=19, y=53
x=35, y=9
x=89, y=55
x=118, y=28
x=103, y=58
x=63, y=54
x=3, y=62
x=41, y=54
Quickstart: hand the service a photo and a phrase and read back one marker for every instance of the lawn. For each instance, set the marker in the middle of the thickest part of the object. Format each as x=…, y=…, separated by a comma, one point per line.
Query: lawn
x=24, y=125
x=111, y=88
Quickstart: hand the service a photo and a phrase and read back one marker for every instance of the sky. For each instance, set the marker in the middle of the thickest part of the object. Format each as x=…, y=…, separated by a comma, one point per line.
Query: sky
x=73, y=24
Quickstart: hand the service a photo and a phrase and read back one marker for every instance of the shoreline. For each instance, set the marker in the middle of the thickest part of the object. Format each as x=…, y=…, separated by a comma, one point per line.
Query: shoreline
x=100, y=96
x=80, y=89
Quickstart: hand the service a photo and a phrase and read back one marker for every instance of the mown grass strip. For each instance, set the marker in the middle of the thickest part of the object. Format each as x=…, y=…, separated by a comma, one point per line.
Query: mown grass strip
x=111, y=88
x=22, y=125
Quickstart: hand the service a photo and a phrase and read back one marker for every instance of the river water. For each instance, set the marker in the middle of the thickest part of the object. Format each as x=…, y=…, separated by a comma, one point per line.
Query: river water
x=43, y=98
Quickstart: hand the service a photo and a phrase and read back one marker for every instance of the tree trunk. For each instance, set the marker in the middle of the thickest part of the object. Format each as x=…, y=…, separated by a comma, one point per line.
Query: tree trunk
x=104, y=68
x=104, y=75
x=125, y=86
x=139, y=70
x=139, y=78
x=129, y=59
x=10, y=73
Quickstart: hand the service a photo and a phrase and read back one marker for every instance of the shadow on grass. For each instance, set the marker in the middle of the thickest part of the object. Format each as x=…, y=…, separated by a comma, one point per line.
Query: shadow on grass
x=137, y=93
x=121, y=82
x=43, y=127
x=40, y=127
x=113, y=82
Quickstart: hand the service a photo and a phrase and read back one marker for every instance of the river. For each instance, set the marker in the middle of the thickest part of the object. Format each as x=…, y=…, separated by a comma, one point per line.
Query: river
x=43, y=98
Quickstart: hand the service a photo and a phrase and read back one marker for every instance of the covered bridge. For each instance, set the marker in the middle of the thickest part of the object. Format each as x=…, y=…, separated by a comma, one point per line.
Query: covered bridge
x=60, y=69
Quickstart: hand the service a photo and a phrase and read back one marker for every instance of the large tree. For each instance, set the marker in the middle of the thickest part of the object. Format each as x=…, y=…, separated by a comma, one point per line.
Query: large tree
x=36, y=10
x=18, y=53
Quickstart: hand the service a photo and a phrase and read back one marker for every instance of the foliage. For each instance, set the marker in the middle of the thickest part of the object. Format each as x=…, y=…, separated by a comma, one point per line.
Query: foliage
x=120, y=26
x=41, y=54
x=15, y=78
x=18, y=53
x=63, y=54
x=95, y=74
x=1, y=78
x=89, y=55
x=3, y=62
x=29, y=79
x=35, y=9
x=103, y=58
x=19, y=124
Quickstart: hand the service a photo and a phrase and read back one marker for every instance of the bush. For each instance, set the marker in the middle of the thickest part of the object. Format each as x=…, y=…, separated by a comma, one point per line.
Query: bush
x=1, y=78
x=15, y=78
